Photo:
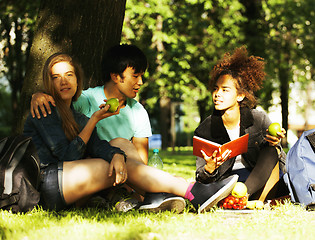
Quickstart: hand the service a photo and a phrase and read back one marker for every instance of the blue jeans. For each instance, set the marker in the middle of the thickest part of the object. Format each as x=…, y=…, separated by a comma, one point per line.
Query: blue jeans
x=242, y=173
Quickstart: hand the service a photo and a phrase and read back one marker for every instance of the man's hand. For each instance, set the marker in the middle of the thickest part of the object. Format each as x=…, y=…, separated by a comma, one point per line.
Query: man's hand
x=41, y=101
x=119, y=168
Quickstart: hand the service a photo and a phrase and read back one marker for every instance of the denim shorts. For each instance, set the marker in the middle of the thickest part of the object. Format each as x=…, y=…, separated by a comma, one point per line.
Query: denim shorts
x=51, y=187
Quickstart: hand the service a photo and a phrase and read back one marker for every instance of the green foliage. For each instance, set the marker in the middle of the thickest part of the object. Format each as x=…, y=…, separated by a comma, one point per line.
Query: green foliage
x=182, y=39
x=17, y=22
x=6, y=115
x=16, y=28
x=290, y=42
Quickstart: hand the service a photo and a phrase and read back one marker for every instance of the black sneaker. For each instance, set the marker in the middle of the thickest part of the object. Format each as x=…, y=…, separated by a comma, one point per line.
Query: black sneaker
x=208, y=195
x=156, y=202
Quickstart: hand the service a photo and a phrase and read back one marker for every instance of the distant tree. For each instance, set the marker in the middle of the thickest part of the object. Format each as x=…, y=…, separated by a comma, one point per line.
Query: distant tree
x=84, y=29
x=182, y=39
x=6, y=114
x=17, y=20
x=256, y=31
x=289, y=46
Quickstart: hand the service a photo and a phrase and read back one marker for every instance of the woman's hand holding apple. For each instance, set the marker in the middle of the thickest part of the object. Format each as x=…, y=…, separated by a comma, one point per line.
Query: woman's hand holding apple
x=104, y=112
x=274, y=134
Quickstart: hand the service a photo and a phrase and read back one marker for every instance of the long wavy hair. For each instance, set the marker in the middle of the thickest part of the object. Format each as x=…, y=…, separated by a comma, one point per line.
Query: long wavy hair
x=69, y=125
x=247, y=71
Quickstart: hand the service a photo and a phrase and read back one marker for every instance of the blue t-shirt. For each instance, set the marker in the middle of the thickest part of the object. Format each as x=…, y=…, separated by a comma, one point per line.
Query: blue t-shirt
x=132, y=120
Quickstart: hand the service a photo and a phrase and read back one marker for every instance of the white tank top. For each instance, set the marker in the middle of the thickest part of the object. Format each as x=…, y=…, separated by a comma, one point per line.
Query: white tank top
x=234, y=134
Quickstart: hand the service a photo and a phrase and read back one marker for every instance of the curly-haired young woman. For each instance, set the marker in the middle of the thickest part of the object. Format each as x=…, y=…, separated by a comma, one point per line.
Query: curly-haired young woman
x=234, y=81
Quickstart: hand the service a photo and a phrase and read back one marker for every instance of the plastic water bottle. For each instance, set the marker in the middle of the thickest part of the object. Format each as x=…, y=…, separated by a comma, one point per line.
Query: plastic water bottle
x=155, y=160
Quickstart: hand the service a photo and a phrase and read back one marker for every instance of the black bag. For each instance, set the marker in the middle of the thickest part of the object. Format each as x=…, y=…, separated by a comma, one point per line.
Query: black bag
x=19, y=174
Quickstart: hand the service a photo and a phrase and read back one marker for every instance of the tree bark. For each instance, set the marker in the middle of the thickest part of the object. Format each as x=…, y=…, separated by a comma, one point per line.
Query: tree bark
x=85, y=29
x=254, y=30
x=165, y=103
x=284, y=76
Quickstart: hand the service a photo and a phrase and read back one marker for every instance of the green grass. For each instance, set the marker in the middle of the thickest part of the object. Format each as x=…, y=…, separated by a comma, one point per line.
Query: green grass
x=286, y=221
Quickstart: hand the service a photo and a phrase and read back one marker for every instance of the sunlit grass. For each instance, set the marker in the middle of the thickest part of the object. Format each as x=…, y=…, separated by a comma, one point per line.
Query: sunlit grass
x=286, y=221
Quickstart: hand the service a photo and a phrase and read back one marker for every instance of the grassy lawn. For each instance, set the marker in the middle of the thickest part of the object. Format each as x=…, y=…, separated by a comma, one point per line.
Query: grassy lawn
x=286, y=221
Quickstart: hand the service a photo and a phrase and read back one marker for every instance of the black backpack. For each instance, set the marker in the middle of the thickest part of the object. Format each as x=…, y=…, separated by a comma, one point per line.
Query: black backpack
x=19, y=174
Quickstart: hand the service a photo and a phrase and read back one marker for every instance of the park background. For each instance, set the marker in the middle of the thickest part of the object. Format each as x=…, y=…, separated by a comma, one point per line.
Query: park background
x=182, y=39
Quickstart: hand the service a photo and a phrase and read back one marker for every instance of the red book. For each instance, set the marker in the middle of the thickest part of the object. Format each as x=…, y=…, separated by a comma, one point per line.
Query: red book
x=238, y=146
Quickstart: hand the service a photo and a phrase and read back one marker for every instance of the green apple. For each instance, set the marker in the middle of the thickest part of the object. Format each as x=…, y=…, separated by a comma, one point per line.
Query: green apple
x=239, y=190
x=114, y=103
x=274, y=128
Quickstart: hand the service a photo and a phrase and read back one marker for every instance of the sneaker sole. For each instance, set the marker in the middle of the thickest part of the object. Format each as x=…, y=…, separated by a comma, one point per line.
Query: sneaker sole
x=222, y=193
x=126, y=206
x=176, y=204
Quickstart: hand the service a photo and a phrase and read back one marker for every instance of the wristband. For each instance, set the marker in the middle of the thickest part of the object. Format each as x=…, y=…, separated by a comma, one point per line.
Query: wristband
x=122, y=153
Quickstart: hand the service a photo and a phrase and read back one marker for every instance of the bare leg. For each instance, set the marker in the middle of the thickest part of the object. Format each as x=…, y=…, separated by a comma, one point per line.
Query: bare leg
x=147, y=178
x=84, y=177
x=153, y=180
x=143, y=157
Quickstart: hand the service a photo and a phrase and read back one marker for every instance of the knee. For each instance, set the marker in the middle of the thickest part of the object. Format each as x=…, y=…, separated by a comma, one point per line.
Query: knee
x=79, y=177
x=86, y=173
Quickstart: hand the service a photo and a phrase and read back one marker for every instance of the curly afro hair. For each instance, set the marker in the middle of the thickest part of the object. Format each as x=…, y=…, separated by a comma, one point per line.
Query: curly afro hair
x=248, y=72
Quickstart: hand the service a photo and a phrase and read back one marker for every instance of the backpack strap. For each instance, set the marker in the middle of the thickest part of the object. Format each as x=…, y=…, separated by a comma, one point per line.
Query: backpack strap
x=2, y=144
x=311, y=139
x=8, y=201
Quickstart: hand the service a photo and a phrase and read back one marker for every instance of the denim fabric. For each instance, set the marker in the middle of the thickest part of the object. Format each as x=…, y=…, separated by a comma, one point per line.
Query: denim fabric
x=242, y=173
x=53, y=146
x=51, y=190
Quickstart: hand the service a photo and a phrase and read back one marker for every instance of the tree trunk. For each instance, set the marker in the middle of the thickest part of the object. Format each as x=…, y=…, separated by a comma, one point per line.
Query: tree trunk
x=165, y=120
x=253, y=29
x=284, y=76
x=85, y=29
x=204, y=108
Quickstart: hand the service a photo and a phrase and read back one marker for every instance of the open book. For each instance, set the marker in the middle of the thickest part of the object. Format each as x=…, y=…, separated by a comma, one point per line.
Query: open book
x=238, y=146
